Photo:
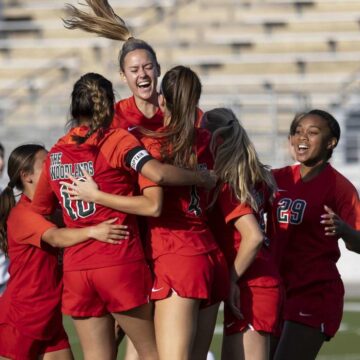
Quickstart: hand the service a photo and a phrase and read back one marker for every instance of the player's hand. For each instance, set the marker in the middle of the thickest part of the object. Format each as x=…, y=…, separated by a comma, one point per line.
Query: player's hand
x=84, y=189
x=234, y=300
x=334, y=226
x=208, y=179
x=108, y=232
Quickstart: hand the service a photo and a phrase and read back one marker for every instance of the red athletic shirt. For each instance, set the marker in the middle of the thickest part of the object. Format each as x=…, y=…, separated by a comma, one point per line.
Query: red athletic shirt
x=182, y=227
x=31, y=301
x=262, y=272
x=305, y=255
x=128, y=116
x=108, y=161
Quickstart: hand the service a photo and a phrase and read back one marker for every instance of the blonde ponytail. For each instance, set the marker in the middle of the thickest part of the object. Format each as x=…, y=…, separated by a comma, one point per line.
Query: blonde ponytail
x=104, y=22
x=236, y=160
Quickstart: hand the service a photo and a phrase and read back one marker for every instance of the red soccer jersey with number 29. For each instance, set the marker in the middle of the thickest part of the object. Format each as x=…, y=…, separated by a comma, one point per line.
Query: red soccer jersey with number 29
x=305, y=255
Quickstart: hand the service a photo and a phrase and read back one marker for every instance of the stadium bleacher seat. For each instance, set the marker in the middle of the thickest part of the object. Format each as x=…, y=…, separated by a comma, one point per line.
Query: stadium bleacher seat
x=266, y=59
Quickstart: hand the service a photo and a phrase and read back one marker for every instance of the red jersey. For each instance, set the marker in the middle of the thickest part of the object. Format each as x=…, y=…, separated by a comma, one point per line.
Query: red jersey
x=108, y=161
x=31, y=301
x=262, y=272
x=305, y=255
x=182, y=227
x=128, y=116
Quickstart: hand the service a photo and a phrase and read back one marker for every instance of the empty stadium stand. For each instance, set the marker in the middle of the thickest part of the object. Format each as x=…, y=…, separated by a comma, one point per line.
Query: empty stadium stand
x=266, y=59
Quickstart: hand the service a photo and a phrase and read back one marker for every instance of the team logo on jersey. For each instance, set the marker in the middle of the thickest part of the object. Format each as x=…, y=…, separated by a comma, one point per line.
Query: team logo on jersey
x=59, y=171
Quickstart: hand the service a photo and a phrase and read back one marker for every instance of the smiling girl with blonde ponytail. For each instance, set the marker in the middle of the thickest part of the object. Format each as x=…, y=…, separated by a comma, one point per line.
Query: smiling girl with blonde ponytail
x=138, y=64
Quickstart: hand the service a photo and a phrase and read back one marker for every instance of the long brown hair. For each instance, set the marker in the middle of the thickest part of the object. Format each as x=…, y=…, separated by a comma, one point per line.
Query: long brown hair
x=106, y=23
x=236, y=160
x=92, y=98
x=181, y=88
x=21, y=160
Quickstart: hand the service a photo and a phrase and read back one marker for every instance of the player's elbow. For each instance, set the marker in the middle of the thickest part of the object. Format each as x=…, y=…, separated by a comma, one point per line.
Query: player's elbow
x=257, y=240
x=155, y=209
x=159, y=177
x=154, y=171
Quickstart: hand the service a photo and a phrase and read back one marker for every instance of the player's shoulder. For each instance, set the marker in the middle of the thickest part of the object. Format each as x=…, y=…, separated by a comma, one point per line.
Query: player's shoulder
x=123, y=103
x=153, y=146
x=284, y=171
x=227, y=195
x=65, y=139
x=118, y=134
x=342, y=183
x=68, y=138
x=203, y=140
x=123, y=106
x=149, y=141
x=230, y=205
x=21, y=209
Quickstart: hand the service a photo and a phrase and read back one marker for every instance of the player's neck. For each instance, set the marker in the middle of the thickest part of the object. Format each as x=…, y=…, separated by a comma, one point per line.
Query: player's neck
x=147, y=107
x=29, y=191
x=310, y=172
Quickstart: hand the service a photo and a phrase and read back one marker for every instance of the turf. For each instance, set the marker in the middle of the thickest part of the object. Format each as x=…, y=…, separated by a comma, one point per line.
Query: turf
x=345, y=345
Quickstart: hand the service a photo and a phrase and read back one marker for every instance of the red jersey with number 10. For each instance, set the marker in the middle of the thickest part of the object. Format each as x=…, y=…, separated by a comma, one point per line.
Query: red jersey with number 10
x=182, y=227
x=105, y=160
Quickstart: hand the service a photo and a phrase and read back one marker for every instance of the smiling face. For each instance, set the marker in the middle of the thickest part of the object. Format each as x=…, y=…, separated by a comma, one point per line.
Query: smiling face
x=141, y=73
x=312, y=140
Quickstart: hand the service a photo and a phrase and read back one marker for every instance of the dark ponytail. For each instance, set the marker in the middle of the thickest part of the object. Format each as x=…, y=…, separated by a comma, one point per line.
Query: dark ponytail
x=21, y=160
x=92, y=98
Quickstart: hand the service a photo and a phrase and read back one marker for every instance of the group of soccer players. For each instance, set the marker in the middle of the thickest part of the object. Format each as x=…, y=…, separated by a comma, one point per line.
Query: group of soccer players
x=148, y=247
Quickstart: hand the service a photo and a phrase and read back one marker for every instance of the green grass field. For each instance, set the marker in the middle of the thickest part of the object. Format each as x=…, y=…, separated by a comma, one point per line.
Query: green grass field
x=345, y=345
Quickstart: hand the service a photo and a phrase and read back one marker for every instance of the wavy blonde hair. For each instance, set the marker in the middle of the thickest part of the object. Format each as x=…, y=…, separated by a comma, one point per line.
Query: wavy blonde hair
x=104, y=22
x=236, y=160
